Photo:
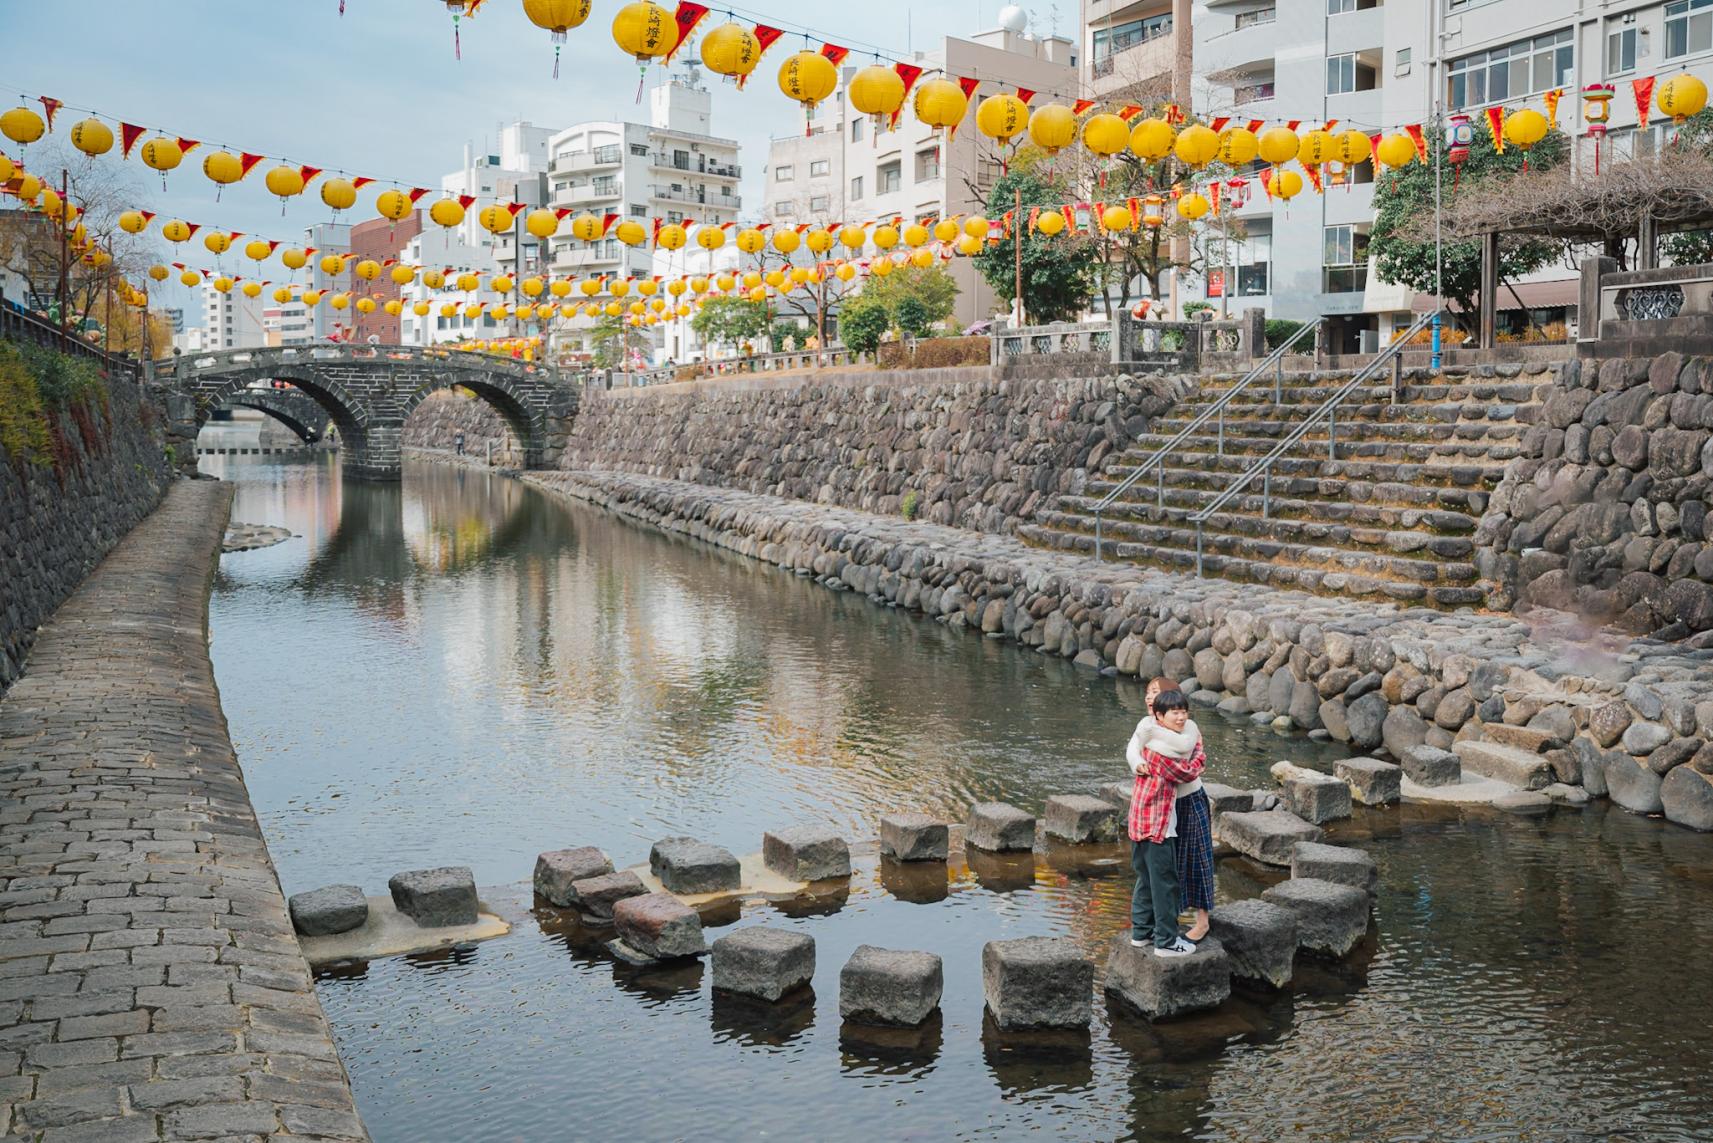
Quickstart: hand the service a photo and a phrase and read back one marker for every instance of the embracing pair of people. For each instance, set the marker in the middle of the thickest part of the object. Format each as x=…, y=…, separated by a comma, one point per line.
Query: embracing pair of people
x=1171, y=828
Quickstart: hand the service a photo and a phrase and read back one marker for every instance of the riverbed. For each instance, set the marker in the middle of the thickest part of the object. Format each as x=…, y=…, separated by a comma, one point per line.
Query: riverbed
x=460, y=670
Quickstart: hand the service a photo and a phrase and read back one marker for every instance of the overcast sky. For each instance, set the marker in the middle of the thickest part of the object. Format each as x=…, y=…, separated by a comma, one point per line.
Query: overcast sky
x=377, y=90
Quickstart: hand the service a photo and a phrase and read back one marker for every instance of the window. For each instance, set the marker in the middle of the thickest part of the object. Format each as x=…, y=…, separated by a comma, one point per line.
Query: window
x=1347, y=73
x=889, y=179
x=1339, y=7
x=607, y=154
x=928, y=165
x=1516, y=70
x=1401, y=62
x=820, y=168
x=856, y=129
x=1688, y=28
x=640, y=150
x=1259, y=16
x=784, y=173
x=675, y=217
x=986, y=171
x=785, y=210
x=605, y=186
x=681, y=160
x=1111, y=41
x=820, y=204
x=638, y=210
x=1344, y=258
x=856, y=188
x=1621, y=52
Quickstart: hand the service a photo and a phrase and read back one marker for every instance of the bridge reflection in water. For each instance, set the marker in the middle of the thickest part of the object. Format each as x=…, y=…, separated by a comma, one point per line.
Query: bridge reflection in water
x=456, y=669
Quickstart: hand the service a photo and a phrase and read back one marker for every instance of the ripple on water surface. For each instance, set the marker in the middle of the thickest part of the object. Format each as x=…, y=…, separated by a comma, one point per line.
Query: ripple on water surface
x=457, y=670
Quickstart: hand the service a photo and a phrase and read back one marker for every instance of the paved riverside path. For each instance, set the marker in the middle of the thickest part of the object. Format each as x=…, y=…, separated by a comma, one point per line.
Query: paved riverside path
x=150, y=984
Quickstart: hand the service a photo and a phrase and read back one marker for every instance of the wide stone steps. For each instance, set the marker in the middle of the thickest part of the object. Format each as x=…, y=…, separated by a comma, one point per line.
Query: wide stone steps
x=1347, y=444
x=1303, y=493
x=1374, y=428
x=1519, y=767
x=1197, y=468
x=1180, y=502
x=1260, y=395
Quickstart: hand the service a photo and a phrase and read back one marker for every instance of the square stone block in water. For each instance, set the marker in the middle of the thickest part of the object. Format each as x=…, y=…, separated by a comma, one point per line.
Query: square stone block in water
x=1264, y=835
x=1081, y=819
x=1259, y=938
x=659, y=925
x=558, y=871
x=889, y=986
x=999, y=828
x=1158, y=986
x=323, y=912
x=1331, y=917
x=763, y=962
x=436, y=898
x=806, y=853
x=1119, y=793
x=1037, y=982
x=1371, y=781
x=1317, y=798
x=913, y=837
x=685, y=865
x=1340, y=863
x=1431, y=766
x=596, y=896
x=1225, y=800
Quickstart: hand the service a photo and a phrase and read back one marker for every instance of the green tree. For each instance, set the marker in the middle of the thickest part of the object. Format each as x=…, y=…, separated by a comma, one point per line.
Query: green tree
x=932, y=286
x=1059, y=273
x=786, y=335
x=607, y=341
x=1691, y=247
x=730, y=321
x=911, y=314
x=862, y=322
x=1402, y=241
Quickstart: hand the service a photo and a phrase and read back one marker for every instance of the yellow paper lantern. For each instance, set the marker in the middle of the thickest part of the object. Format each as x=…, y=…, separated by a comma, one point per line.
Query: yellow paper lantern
x=223, y=168
x=878, y=91
x=420, y=309
x=631, y=232
x=648, y=287
x=190, y=278
x=1151, y=140
x=1277, y=145
x=916, y=235
x=365, y=305
x=312, y=298
x=223, y=284
x=751, y=279
x=774, y=278
x=1052, y=127
x=284, y=182
x=557, y=16
x=940, y=104
x=339, y=194
x=393, y=204
x=590, y=287
x=559, y=287
x=251, y=289
x=332, y=264
x=473, y=310
x=682, y=310
x=532, y=287
x=854, y=237
x=495, y=219
x=402, y=274
x=1105, y=134
x=501, y=285
x=7, y=169
x=618, y=287
x=568, y=311
x=1316, y=148
x=1050, y=222
x=447, y=212
x=731, y=50
x=1193, y=206
x=968, y=245
x=845, y=272
x=159, y=273
x=880, y=267
x=1237, y=146
x=29, y=186
x=645, y=31
x=21, y=125
x=131, y=222
x=162, y=154
x=922, y=258
x=587, y=227
x=217, y=241
x=946, y=229
x=1680, y=97
x=671, y=237
x=636, y=308
x=710, y=237
x=433, y=279
x=786, y=240
x=294, y=258
x=885, y=237
x=751, y=241
x=1397, y=151
x=799, y=275
x=976, y=226
x=368, y=269
x=699, y=284
x=393, y=307
x=448, y=309
x=339, y=301
x=1001, y=117
x=468, y=282
x=92, y=137
x=1288, y=185
x=541, y=223
x=1115, y=218
x=758, y=294
x=282, y=295
x=1525, y=128
x=725, y=282
x=819, y=240
x=1354, y=147
x=808, y=77
x=176, y=230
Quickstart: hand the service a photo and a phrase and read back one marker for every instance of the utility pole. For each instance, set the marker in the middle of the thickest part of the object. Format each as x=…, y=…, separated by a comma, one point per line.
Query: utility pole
x=64, y=254
x=1183, y=47
x=1017, y=247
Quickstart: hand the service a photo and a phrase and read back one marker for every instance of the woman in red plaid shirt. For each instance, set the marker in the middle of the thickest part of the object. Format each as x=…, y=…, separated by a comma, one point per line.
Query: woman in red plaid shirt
x=1164, y=750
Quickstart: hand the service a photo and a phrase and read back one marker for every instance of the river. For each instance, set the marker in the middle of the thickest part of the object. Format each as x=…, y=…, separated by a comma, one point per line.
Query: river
x=461, y=670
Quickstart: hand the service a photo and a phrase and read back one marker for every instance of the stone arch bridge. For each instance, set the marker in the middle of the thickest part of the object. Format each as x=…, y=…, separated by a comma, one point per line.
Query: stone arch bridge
x=368, y=391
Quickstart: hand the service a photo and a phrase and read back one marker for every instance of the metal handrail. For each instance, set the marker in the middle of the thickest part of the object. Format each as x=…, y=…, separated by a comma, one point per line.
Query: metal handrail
x=1329, y=410
x=1274, y=360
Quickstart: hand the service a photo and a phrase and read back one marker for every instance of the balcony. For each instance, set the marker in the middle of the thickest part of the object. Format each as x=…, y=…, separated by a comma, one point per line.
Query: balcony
x=695, y=163
x=696, y=196
x=1344, y=279
x=588, y=160
x=581, y=257
x=577, y=195
x=1251, y=93
x=1134, y=57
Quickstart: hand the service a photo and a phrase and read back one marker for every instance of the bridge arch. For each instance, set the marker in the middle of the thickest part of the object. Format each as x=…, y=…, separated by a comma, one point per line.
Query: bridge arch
x=297, y=411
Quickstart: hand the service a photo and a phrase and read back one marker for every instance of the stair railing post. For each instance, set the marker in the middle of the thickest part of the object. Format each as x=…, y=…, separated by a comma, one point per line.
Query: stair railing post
x=1220, y=451
x=1266, y=491
x=1160, y=484
x=1332, y=433
x=1198, y=550
x=1097, y=555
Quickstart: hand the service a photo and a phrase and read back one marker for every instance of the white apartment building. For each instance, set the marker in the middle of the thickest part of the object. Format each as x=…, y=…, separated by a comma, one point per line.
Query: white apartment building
x=672, y=168
x=230, y=321
x=287, y=324
x=327, y=238
x=440, y=249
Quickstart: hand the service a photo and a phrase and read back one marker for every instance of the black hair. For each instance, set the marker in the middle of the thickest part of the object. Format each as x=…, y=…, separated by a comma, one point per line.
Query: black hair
x=1170, y=700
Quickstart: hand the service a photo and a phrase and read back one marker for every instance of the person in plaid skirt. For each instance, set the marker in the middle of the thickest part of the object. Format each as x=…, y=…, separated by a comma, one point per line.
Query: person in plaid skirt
x=1195, y=834
x=1162, y=752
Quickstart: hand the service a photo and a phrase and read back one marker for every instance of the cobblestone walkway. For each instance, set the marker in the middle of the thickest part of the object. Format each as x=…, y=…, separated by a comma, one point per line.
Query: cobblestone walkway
x=150, y=984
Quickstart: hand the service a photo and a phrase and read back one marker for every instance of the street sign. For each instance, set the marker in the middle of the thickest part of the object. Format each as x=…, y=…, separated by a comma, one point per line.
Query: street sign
x=1216, y=283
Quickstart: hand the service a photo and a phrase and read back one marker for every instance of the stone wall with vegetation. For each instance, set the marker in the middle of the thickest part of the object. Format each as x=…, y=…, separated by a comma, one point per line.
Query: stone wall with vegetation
x=434, y=425
x=1606, y=512
x=950, y=446
x=82, y=459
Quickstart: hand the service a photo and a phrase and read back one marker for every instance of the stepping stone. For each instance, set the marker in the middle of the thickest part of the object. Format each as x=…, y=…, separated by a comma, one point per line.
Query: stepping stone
x=436, y=898
x=890, y=986
x=659, y=926
x=1520, y=768
x=763, y=962
x=913, y=837
x=1371, y=781
x=1260, y=939
x=1431, y=766
x=1081, y=819
x=1563, y=794
x=1317, y=798
x=558, y=871
x=1529, y=803
x=1119, y=794
x=1037, y=982
x=323, y=912
x=596, y=896
x=806, y=853
x=1226, y=800
x=1331, y=917
x=1159, y=986
x=999, y=828
x=1339, y=863
x=1264, y=835
x=685, y=865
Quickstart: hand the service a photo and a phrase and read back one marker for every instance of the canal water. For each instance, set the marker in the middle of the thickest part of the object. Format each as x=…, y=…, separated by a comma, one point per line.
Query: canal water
x=460, y=670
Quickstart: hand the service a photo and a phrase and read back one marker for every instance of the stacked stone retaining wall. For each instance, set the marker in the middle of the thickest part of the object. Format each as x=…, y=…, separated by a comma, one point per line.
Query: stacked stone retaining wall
x=434, y=425
x=1631, y=718
x=58, y=520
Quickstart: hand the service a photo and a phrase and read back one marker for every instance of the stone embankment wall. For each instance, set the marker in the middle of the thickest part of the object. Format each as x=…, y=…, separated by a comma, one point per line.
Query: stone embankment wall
x=1606, y=514
x=1633, y=720
x=59, y=517
x=434, y=426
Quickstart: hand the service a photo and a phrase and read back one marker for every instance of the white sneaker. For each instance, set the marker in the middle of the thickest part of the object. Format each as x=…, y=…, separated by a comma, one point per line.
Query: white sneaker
x=1140, y=944
x=1179, y=947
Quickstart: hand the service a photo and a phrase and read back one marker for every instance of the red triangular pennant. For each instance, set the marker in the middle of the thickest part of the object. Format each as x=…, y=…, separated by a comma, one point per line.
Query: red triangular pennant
x=1081, y=106
x=909, y=73
x=308, y=173
x=361, y=181
x=466, y=200
x=51, y=107
x=835, y=53
x=687, y=16
x=765, y=38
x=187, y=145
x=129, y=133
x=247, y=163
x=1025, y=95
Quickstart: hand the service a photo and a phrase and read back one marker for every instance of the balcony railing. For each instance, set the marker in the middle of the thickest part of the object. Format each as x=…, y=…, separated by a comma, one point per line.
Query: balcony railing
x=1259, y=16
x=588, y=194
x=1251, y=93
x=697, y=196
x=696, y=164
x=587, y=160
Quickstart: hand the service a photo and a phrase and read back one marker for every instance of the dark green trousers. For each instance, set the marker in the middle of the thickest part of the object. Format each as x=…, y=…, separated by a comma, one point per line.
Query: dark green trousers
x=1154, y=901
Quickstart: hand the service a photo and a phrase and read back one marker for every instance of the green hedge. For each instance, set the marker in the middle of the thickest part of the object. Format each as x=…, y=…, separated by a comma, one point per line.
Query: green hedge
x=37, y=387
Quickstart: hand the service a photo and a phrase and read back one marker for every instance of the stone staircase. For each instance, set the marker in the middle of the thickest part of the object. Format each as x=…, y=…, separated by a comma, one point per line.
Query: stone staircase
x=1393, y=516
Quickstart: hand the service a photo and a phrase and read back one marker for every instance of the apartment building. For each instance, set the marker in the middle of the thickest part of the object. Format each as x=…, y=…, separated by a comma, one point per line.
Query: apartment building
x=229, y=321
x=287, y=324
x=383, y=241
x=1129, y=46
x=328, y=238
x=440, y=249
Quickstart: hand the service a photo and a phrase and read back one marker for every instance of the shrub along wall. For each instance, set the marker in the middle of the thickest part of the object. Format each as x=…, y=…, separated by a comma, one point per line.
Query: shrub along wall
x=82, y=460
